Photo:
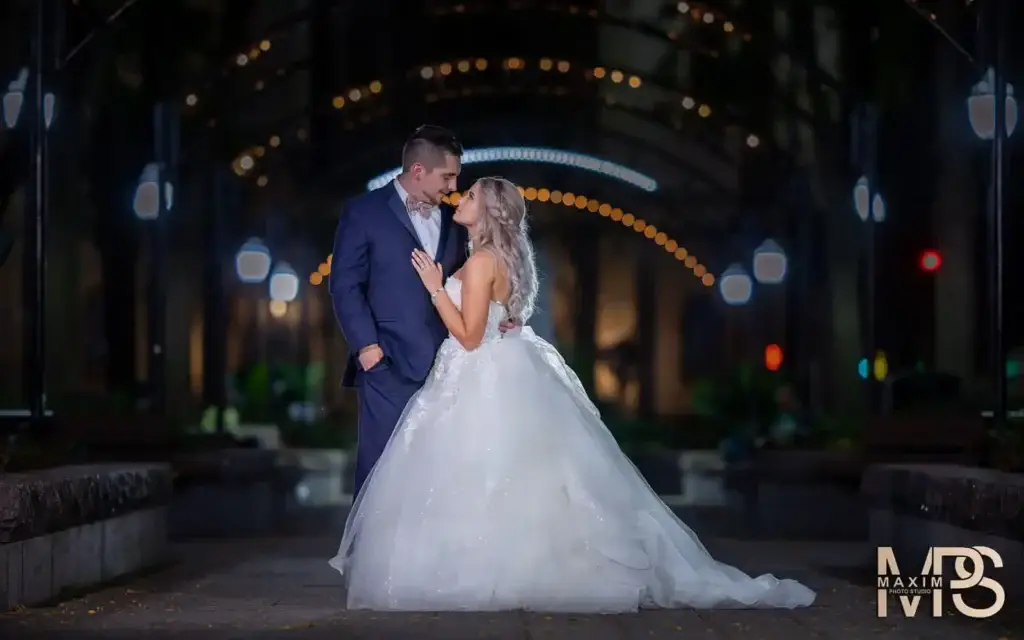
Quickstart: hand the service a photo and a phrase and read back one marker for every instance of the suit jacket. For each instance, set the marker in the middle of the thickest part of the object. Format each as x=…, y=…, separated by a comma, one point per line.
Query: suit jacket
x=377, y=296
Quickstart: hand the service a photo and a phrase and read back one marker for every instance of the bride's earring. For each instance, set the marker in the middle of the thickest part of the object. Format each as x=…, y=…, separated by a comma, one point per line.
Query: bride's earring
x=469, y=247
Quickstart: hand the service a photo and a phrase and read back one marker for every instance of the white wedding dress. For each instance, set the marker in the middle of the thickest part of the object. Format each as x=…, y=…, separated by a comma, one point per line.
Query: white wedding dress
x=502, y=489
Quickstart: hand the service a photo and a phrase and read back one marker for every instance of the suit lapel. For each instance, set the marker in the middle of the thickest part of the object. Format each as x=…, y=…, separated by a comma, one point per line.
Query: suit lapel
x=398, y=208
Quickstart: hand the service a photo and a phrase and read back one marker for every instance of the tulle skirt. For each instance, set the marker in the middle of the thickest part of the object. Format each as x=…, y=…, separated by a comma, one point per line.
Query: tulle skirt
x=502, y=489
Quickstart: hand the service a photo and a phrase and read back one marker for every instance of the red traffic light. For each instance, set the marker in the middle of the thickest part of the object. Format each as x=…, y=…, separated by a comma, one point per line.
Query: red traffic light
x=773, y=357
x=930, y=260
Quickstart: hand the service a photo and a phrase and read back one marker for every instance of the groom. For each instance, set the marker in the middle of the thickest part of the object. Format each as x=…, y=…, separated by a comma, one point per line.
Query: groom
x=392, y=329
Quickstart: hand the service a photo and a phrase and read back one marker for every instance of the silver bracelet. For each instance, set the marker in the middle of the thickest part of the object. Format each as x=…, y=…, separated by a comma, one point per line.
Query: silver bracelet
x=433, y=296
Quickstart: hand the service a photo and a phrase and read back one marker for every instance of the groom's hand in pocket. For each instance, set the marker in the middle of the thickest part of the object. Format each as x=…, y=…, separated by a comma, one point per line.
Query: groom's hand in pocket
x=369, y=356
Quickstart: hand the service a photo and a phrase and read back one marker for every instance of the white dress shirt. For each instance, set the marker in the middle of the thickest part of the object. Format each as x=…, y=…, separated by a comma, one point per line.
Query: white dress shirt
x=428, y=228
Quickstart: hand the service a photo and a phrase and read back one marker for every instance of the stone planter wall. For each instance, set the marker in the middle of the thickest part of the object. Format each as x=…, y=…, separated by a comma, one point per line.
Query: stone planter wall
x=326, y=476
x=703, y=478
x=913, y=507
x=267, y=435
x=230, y=493
x=660, y=469
x=800, y=495
x=79, y=527
x=925, y=439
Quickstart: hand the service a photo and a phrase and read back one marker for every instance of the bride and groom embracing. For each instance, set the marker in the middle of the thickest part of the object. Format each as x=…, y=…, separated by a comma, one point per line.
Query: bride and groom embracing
x=485, y=478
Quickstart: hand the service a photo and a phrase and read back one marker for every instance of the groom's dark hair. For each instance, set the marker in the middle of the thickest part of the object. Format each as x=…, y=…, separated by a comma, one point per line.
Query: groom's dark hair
x=428, y=146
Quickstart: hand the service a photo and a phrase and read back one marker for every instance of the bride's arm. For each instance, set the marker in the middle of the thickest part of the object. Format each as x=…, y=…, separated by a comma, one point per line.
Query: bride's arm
x=468, y=325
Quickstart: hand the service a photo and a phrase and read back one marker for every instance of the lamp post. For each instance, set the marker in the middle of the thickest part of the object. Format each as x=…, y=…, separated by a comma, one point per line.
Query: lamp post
x=992, y=112
x=154, y=199
x=770, y=263
x=283, y=289
x=735, y=286
x=771, y=268
x=14, y=99
x=14, y=102
x=147, y=203
x=35, y=83
x=284, y=285
x=10, y=110
x=252, y=262
x=215, y=313
x=253, y=266
x=870, y=208
x=981, y=106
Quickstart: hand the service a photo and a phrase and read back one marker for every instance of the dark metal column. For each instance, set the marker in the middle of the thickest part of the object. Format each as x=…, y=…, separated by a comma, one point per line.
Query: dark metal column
x=805, y=231
x=41, y=109
x=215, y=317
x=996, y=14
x=583, y=249
x=323, y=82
x=866, y=158
x=647, y=328
x=165, y=128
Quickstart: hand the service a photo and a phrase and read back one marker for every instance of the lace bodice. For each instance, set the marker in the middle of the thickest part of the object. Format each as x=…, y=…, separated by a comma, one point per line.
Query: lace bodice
x=496, y=312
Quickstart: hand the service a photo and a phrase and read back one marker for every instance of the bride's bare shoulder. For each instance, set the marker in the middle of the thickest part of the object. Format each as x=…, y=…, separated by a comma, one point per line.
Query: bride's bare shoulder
x=481, y=264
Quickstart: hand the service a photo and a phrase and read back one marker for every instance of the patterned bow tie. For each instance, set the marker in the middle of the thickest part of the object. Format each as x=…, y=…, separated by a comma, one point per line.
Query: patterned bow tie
x=420, y=208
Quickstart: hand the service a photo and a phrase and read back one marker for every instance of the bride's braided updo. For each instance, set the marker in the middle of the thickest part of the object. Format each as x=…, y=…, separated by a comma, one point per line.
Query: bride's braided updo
x=503, y=230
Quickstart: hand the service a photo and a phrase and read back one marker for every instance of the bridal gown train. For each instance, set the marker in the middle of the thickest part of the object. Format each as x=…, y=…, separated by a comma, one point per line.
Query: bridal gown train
x=502, y=489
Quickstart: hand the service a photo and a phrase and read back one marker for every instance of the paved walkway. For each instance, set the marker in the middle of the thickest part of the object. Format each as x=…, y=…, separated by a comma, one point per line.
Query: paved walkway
x=283, y=588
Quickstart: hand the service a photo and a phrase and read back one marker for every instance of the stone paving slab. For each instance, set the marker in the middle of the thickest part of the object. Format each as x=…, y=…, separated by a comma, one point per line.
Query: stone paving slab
x=283, y=588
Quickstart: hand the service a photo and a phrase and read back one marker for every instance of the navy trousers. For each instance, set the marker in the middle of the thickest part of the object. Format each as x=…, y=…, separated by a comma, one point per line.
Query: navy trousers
x=382, y=395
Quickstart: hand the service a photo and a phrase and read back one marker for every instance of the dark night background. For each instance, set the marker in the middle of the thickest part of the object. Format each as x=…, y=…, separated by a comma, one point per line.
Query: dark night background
x=661, y=146
x=317, y=100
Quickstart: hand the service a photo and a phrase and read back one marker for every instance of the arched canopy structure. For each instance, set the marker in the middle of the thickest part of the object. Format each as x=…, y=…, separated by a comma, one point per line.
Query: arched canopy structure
x=695, y=95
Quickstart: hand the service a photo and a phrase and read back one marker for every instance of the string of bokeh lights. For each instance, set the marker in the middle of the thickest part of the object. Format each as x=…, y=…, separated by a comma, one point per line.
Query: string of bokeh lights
x=541, y=155
x=704, y=14
x=246, y=161
x=581, y=202
x=441, y=70
x=697, y=13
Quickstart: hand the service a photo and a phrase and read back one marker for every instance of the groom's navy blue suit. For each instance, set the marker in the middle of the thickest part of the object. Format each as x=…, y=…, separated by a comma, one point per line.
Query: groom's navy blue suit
x=379, y=299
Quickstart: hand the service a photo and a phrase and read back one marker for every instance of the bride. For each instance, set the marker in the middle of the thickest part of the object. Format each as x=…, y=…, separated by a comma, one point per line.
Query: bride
x=501, y=488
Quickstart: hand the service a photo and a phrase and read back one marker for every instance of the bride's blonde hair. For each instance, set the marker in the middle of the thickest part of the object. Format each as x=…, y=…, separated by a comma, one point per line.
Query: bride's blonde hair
x=503, y=231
